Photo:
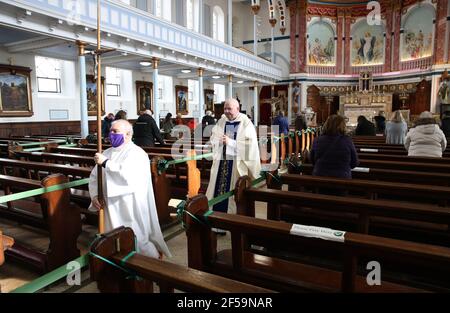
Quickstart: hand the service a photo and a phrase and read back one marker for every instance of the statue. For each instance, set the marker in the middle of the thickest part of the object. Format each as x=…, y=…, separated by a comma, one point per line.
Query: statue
x=444, y=89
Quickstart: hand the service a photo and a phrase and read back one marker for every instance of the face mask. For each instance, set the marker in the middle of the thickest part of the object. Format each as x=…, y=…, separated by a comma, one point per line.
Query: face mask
x=116, y=139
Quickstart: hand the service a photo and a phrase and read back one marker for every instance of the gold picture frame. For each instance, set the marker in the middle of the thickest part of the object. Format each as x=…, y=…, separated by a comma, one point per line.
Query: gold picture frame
x=144, y=96
x=15, y=91
x=209, y=99
x=91, y=90
x=182, y=99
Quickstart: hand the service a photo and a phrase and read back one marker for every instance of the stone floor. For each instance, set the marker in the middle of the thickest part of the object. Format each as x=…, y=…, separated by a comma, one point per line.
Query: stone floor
x=14, y=275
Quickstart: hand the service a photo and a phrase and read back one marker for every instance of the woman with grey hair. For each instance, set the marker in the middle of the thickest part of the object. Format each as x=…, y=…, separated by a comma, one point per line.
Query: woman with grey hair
x=426, y=139
x=396, y=129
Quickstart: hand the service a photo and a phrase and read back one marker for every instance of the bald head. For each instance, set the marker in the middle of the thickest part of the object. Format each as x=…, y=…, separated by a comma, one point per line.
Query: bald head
x=122, y=127
x=231, y=108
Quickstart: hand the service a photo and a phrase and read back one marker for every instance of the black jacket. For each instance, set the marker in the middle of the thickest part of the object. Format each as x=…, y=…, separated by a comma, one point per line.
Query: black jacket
x=208, y=120
x=146, y=131
x=365, y=128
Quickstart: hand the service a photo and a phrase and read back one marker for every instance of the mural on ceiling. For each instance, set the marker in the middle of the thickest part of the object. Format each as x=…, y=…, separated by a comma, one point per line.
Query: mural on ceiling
x=417, y=38
x=321, y=46
x=367, y=44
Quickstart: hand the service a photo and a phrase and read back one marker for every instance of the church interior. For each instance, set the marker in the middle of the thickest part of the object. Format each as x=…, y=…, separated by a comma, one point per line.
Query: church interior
x=66, y=65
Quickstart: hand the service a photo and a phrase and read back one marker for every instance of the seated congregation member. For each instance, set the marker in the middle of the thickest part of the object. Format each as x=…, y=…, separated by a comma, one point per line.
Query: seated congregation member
x=235, y=154
x=120, y=115
x=146, y=131
x=128, y=191
x=208, y=119
x=396, y=129
x=425, y=139
x=364, y=127
x=167, y=125
x=333, y=152
x=282, y=122
x=380, y=122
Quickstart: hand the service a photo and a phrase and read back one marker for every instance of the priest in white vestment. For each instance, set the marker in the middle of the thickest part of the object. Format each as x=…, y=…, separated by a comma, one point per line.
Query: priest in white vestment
x=235, y=153
x=128, y=191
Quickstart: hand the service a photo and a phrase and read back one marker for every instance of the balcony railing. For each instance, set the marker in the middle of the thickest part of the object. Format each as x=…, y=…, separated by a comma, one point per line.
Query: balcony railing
x=126, y=21
x=418, y=64
x=321, y=70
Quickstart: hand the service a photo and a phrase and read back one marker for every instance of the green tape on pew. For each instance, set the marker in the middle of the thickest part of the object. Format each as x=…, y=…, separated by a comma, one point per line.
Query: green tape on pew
x=40, y=191
x=195, y=157
x=50, y=278
x=34, y=149
x=40, y=143
x=69, y=145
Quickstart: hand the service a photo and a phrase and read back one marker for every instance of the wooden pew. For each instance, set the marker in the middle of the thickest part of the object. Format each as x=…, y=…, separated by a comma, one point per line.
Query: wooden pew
x=282, y=271
x=6, y=242
x=370, y=189
x=405, y=220
x=58, y=217
x=403, y=158
x=381, y=174
x=119, y=243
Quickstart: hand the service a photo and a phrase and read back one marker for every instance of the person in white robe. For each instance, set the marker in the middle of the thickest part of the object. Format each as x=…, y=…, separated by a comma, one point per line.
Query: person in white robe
x=235, y=153
x=128, y=191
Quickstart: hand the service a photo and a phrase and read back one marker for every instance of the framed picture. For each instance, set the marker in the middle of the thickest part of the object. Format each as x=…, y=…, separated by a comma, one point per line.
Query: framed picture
x=181, y=93
x=91, y=90
x=209, y=99
x=15, y=91
x=144, y=96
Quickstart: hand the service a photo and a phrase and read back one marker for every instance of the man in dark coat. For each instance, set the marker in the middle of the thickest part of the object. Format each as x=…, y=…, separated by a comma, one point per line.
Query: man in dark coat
x=145, y=131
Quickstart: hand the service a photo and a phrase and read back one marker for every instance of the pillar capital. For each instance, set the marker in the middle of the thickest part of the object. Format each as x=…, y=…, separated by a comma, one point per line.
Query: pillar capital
x=155, y=63
x=230, y=78
x=200, y=72
x=81, y=46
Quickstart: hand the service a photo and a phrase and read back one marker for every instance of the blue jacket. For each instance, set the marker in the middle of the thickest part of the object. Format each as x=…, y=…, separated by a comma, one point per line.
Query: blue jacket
x=282, y=123
x=334, y=156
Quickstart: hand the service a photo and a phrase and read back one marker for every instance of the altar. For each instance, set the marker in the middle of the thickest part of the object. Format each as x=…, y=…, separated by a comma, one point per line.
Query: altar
x=367, y=100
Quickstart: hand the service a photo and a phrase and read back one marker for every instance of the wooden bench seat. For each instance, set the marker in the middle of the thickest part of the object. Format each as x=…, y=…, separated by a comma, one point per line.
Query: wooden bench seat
x=281, y=274
x=119, y=243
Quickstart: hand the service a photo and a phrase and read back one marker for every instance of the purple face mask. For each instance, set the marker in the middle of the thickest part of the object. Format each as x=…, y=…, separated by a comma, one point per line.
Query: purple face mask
x=116, y=139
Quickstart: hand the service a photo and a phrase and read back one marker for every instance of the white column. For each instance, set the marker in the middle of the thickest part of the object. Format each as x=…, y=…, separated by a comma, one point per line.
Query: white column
x=272, y=52
x=155, y=62
x=83, y=94
x=255, y=104
x=200, y=16
x=255, y=43
x=303, y=97
x=154, y=7
x=290, y=103
x=230, y=22
x=230, y=87
x=201, y=100
x=434, y=105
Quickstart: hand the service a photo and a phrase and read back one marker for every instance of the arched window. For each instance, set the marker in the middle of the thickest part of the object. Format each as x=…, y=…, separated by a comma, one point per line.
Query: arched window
x=218, y=24
x=192, y=15
x=163, y=9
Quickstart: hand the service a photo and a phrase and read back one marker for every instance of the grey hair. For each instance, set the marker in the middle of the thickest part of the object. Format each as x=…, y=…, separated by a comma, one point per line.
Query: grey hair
x=127, y=125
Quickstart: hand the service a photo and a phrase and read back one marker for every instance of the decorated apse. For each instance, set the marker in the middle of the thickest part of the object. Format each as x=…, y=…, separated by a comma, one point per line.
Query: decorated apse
x=339, y=40
x=367, y=44
x=417, y=35
x=321, y=46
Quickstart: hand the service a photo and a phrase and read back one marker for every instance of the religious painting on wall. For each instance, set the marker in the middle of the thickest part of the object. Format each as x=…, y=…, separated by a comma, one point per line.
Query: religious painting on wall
x=15, y=91
x=181, y=94
x=91, y=90
x=321, y=45
x=367, y=44
x=209, y=99
x=417, y=38
x=144, y=96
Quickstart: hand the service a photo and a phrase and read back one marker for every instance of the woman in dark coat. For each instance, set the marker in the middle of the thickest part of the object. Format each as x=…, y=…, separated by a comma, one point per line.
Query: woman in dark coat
x=333, y=153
